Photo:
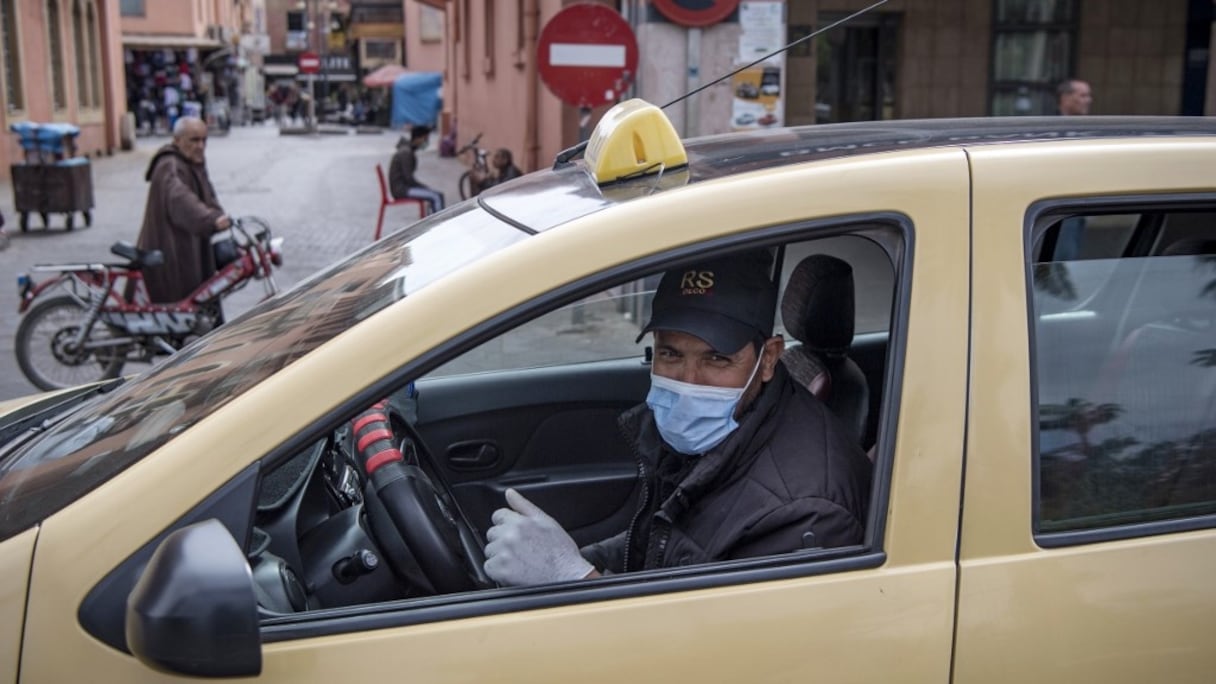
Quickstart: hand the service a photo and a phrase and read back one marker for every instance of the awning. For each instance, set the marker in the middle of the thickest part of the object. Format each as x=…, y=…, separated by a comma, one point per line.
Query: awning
x=384, y=76
x=167, y=41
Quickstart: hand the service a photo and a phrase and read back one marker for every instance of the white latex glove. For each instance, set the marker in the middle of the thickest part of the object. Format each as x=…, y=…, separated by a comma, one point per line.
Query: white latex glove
x=526, y=546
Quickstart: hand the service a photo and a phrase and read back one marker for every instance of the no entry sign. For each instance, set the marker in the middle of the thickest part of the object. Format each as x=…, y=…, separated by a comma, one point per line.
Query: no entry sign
x=309, y=63
x=587, y=55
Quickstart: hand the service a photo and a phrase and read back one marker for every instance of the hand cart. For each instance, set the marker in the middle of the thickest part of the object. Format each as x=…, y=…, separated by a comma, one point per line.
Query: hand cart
x=52, y=180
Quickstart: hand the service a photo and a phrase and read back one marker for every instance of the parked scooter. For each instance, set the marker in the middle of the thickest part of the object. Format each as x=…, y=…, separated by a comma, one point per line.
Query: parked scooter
x=80, y=325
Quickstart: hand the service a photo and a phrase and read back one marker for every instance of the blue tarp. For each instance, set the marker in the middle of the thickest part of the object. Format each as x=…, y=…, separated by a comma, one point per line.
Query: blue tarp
x=47, y=136
x=416, y=100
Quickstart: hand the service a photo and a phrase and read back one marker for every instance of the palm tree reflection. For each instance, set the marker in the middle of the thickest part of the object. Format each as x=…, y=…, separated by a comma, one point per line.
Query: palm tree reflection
x=1084, y=484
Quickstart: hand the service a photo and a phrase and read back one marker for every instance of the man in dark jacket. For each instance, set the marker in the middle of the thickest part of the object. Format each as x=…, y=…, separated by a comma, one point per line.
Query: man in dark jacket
x=736, y=459
x=401, y=181
x=181, y=214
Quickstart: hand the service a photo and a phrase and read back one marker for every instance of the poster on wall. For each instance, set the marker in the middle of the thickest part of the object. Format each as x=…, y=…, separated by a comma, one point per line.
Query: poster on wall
x=757, y=90
x=757, y=101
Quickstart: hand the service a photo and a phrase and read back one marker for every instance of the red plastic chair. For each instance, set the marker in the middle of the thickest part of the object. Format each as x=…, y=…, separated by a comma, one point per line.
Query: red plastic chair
x=387, y=200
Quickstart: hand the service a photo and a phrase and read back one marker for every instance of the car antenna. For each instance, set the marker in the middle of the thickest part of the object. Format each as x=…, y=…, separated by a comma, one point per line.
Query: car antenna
x=567, y=155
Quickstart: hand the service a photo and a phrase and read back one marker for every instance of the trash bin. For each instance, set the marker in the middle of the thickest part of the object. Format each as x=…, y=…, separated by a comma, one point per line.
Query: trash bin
x=53, y=180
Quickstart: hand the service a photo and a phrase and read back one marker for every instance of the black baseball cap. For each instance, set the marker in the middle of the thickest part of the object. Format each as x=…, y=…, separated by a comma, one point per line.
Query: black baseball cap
x=727, y=302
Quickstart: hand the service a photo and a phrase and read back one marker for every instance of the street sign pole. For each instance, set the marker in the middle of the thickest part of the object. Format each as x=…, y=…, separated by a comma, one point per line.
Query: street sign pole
x=310, y=64
x=587, y=56
x=312, y=103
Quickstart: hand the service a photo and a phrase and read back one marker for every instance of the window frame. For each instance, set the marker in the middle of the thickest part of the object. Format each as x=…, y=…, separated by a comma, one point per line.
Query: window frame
x=12, y=76
x=133, y=8
x=997, y=28
x=92, y=27
x=84, y=95
x=53, y=12
x=1039, y=217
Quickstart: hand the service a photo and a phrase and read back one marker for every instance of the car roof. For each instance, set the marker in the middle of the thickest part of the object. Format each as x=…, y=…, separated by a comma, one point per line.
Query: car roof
x=541, y=201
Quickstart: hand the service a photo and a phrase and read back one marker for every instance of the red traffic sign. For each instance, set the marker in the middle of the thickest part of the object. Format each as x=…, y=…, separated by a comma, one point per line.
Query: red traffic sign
x=696, y=12
x=587, y=55
x=309, y=63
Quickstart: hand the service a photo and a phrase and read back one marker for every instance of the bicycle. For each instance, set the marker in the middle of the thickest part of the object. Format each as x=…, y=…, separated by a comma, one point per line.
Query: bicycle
x=102, y=316
x=479, y=167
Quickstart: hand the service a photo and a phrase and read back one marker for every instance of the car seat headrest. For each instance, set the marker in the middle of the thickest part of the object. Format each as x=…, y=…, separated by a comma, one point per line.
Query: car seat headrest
x=817, y=308
x=1190, y=246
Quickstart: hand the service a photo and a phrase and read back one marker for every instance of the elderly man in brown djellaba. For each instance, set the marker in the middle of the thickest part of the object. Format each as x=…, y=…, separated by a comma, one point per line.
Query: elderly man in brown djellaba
x=181, y=215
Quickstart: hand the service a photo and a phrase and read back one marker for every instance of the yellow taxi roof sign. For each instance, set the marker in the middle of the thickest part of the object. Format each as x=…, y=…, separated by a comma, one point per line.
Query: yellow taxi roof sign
x=633, y=138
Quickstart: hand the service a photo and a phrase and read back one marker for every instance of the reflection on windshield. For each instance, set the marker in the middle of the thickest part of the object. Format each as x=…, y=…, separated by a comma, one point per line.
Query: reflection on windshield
x=85, y=450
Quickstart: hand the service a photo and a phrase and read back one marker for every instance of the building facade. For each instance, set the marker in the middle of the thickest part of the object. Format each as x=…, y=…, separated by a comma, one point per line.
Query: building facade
x=907, y=59
x=61, y=62
x=184, y=57
x=325, y=28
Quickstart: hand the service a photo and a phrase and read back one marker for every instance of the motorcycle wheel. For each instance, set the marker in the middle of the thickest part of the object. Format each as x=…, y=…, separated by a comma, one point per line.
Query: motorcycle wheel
x=43, y=346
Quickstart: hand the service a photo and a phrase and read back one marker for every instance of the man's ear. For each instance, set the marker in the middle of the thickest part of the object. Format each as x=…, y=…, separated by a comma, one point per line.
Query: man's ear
x=773, y=347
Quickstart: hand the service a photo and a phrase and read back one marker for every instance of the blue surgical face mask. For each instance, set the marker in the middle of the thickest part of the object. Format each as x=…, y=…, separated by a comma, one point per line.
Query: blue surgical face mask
x=695, y=418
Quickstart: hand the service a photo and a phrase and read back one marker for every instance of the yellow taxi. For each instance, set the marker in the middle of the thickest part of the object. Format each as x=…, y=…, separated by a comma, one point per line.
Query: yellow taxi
x=1022, y=337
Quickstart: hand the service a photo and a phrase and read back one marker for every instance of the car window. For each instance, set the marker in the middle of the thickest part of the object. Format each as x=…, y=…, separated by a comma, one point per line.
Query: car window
x=539, y=409
x=600, y=327
x=606, y=325
x=1125, y=356
x=1094, y=237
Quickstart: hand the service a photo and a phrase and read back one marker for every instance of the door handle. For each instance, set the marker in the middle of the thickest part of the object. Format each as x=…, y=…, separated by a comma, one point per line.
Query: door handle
x=473, y=455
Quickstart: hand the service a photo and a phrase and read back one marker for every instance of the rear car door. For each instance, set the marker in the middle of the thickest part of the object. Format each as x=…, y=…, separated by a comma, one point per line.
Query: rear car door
x=1089, y=520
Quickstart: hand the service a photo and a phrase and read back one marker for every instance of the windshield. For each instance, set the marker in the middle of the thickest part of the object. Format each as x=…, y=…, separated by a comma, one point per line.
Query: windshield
x=116, y=430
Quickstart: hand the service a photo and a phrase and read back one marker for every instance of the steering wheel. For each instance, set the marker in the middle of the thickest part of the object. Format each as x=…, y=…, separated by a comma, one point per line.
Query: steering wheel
x=427, y=539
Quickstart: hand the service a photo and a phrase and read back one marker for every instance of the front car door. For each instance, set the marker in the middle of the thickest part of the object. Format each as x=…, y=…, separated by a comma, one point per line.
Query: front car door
x=1088, y=547
x=857, y=614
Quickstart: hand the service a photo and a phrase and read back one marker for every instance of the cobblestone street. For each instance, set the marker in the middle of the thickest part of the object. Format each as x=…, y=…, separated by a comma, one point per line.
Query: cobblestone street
x=318, y=192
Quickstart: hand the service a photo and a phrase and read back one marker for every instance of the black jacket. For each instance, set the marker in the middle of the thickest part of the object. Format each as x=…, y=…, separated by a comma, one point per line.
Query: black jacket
x=788, y=478
x=401, y=172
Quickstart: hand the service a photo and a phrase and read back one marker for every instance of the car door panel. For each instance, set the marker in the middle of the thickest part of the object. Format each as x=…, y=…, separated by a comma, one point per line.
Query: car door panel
x=550, y=433
x=1124, y=606
x=885, y=611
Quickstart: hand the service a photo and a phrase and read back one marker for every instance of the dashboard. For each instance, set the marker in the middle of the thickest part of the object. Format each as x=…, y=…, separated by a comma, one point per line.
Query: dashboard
x=311, y=545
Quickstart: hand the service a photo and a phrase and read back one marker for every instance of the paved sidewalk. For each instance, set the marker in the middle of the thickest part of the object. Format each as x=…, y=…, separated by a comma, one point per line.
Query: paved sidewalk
x=319, y=192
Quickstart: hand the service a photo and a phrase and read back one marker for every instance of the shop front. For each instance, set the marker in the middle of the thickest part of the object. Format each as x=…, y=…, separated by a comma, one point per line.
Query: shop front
x=170, y=77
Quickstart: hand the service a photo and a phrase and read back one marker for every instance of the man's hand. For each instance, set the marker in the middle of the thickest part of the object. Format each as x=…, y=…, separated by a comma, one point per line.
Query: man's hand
x=223, y=223
x=526, y=546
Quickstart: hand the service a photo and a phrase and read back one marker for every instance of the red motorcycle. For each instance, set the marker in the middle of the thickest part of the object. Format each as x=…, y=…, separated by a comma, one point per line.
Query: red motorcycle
x=93, y=318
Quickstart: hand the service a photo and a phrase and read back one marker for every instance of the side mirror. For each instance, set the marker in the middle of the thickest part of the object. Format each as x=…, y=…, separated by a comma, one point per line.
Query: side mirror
x=193, y=611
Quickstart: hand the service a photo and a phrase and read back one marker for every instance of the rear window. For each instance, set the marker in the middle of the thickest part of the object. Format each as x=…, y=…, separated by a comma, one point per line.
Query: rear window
x=1125, y=348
